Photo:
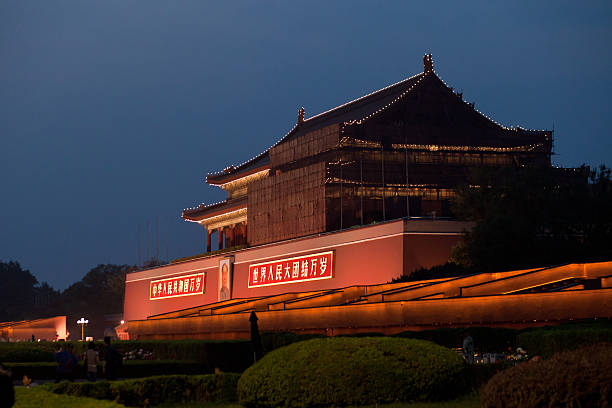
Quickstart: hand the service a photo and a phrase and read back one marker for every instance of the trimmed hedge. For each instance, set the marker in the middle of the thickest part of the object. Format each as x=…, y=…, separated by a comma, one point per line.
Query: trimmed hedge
x=490, y=339
x=542, y=341
x=229, y=356
x=273, y=340
x=352, y=371
x=548, y=341
x=130, y=369
x=487, y=338
x=579, y=378
x=26, y=352
x=155, y=390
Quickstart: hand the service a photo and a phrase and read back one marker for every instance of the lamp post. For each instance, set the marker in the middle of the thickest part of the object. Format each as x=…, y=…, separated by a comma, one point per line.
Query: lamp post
x=82, y=322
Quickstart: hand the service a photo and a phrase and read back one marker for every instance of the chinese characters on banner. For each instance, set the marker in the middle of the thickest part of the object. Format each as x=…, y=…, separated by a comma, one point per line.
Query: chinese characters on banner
x=178, y=286
x=298, y=269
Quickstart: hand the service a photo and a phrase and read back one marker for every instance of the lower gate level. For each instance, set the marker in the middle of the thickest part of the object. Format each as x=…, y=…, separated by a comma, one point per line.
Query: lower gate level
x=506, y=299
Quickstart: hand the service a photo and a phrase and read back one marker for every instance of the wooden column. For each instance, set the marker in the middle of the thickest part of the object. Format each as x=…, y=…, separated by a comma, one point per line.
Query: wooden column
x=232, y=235
x=240, y=239
x=226, y=236
x=208, y=240
x=220, y=232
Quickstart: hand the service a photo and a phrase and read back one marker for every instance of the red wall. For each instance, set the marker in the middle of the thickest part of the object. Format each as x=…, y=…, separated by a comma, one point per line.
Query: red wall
x=363, y=256
x=44, y=329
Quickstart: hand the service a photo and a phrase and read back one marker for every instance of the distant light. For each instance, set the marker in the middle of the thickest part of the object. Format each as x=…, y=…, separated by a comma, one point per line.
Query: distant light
x=123, y=321
x=82, y=321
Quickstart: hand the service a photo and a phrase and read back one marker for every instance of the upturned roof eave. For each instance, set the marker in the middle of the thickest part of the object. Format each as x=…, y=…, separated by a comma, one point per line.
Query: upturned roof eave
x=218, y=179
x=242, y=170
x=202, y=212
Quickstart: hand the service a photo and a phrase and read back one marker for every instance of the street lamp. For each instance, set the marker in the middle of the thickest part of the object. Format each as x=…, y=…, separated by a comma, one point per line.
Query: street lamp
x=82, y=322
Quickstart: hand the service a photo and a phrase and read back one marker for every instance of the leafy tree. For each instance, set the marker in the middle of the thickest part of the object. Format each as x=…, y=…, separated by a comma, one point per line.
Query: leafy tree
x=101, y=289
x=17, y=286
x=99, y=293
x=153, y=262
x=447, y=270
x=45, y=297
x=531, y=217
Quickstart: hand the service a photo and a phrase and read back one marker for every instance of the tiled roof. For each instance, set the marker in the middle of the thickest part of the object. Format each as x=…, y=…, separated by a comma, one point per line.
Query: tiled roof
x=449, y=120
x=203, y=211
x=348, y=112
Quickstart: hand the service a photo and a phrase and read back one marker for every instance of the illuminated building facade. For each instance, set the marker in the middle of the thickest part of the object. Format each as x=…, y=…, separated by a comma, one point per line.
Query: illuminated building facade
x=387, y=164
x=369, y=255
x=398, y=152
x=514, y=299
x=47, y=329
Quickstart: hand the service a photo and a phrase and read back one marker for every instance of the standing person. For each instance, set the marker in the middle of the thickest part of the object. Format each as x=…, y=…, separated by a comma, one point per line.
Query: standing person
x=468, y=348
x=112, y=360
x=7, y=392
x=66, y=362
x=91, y=361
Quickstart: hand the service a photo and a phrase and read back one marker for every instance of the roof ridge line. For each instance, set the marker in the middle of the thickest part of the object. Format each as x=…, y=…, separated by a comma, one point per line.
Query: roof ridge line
x=259, y=155
x=314, y=117
x=484, y=115
x=400, y=97
x=471, y=105
x=363, y=97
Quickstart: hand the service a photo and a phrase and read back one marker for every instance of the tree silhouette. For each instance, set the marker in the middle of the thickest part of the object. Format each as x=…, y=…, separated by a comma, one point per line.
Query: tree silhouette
x=533, y=217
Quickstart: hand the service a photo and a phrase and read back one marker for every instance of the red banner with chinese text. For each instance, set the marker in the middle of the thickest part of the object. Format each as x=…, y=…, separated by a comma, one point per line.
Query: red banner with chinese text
x=291, y=270
x=185, y=285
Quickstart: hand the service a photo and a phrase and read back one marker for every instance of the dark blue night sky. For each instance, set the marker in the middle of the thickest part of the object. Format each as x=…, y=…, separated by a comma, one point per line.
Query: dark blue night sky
x=113, y=112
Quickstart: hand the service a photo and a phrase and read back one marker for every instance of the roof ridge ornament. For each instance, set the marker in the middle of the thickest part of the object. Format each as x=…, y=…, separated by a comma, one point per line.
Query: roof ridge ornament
x=300, y=115
x=427, y=63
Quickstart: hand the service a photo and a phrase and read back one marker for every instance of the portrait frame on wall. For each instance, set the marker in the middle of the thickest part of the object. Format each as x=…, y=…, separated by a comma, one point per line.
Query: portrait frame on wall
x=226, y=269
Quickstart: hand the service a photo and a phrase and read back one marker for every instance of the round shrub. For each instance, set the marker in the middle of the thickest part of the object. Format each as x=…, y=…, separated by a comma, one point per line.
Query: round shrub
x=351, y=371
x=580, y=378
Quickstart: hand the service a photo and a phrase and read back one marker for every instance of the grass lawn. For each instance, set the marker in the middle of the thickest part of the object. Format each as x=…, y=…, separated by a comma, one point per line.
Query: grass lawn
x=467, y=401
x=36, y=397
x=200, y=405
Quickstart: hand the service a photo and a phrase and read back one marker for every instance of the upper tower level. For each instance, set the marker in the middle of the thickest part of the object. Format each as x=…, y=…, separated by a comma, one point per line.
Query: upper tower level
x=399, y=151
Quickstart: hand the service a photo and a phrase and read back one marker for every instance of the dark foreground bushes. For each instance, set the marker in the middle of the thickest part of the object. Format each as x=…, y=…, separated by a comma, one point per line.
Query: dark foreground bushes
x=352, y=371
x=273, y=340
x=547, y=341
x=225, y=355
x=540, y=341
x=155, y=390
x=489, y=339
x=580, y=378
x=130, y=369
x=229, y=356
x=26, y=352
